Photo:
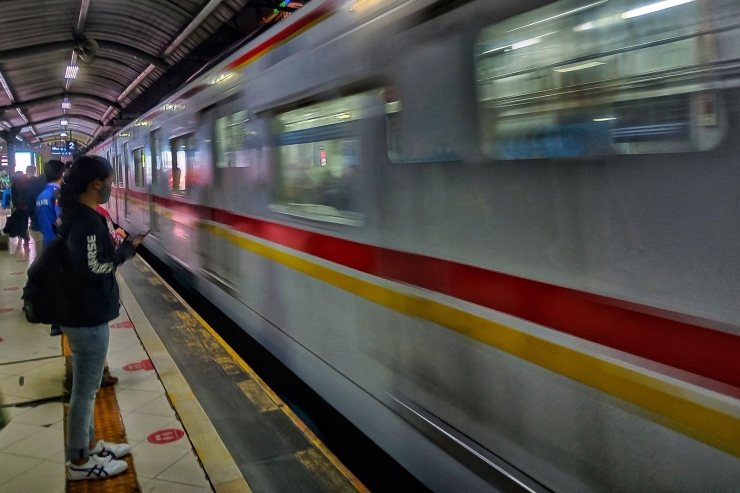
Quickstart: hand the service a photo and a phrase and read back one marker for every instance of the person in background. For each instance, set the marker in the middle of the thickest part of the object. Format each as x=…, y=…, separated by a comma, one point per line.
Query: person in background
x=35, y=186
x=17, y=224
x=47, y=211
x=93, y=259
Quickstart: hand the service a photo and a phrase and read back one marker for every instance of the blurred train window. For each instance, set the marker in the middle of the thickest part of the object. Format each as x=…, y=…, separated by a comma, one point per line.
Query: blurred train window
x=237, y=144
x=140, y=173
x=182, y=159
x=318, y=153
x=598, y=77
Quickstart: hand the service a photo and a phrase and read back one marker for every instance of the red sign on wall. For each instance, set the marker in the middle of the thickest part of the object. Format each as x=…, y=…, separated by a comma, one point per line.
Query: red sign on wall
x=144, y=364
x=165, y=436
x=15, y=288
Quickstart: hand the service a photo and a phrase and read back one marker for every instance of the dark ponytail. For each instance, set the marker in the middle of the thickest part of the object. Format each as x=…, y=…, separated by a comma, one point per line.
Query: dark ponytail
x=84, y=171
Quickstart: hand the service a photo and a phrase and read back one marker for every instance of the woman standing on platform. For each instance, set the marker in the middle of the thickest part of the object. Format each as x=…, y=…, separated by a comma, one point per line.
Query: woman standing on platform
x=93, y=259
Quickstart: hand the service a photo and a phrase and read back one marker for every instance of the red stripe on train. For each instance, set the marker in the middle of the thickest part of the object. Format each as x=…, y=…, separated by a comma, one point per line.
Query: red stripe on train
x=617, y=324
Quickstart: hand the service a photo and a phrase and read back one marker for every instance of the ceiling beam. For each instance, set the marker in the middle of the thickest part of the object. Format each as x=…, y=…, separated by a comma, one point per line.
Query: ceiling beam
x=59, y=97
x=82, y=18
x=56, y=135
x=194, y=24
x=111, y=46
x=69, y=116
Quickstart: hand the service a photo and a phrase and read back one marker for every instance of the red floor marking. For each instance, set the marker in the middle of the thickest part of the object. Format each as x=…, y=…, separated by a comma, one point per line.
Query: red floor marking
x=1, y=339
x=122, y=325
x=165, y=436
x=16, y=273
x=11, y=289
x=5, y=310
x=144, y=364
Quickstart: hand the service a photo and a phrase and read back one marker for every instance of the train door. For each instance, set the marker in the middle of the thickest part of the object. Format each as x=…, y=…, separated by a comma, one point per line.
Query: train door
x=156, y=165
x=126, y=179
x=141, y=181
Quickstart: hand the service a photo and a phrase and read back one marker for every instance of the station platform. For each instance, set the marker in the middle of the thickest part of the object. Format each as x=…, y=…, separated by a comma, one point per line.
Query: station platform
x=198, y=418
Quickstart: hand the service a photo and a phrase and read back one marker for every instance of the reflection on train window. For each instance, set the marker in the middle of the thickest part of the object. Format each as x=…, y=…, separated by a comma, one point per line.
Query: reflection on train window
x=182, y=158
x=585, y=78
x=319, y=158
x=140, y=173
x=237, y=144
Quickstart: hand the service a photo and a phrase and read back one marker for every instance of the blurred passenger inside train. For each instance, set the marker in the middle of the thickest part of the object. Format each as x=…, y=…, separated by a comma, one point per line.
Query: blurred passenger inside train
x=93, y=258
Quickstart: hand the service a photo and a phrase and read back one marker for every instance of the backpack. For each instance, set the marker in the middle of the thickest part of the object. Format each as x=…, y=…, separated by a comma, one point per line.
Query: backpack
x=47, y=296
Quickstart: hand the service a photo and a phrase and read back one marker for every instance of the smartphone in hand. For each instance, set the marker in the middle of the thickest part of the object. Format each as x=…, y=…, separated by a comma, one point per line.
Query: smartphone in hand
x=139, y=236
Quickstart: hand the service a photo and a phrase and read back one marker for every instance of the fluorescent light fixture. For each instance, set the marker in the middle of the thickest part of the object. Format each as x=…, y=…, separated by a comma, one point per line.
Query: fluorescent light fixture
x=63, y=134
x=222, y=77
x=560, y=15
x=579, y=67
x=342, y=116
x=4, y=83
x=64, y=122
x=66, y=105
x=598, y=23
x=605, y=119
x=71, y=72
x=525, y=43
x=653, y=7
x=19, y=138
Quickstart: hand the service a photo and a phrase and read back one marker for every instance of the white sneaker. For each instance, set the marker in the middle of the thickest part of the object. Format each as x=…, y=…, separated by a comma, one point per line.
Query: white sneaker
x=95, y=468
x=107, y=449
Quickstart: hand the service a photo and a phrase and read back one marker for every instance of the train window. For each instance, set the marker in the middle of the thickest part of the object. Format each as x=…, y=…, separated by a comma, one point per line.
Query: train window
x=585, y=78
x=181, y=159
x=140, y=172
x=237, y=144
x=318, y=154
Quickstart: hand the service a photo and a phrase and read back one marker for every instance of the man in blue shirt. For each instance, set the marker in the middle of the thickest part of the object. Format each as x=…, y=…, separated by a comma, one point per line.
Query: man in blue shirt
x=47, y=211
x=47, y=207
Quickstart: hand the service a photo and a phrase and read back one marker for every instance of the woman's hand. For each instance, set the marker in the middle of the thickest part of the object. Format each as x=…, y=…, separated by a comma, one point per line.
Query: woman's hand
x=120, y=232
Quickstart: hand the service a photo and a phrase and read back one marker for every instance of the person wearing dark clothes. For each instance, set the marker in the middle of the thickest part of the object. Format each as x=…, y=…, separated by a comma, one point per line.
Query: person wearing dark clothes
x=35, y=186
x=93, y=259
x=46, y=212
x=17, y=224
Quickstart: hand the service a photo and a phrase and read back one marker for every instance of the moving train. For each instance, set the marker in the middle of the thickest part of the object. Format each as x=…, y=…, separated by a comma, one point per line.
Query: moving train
x=501, y=238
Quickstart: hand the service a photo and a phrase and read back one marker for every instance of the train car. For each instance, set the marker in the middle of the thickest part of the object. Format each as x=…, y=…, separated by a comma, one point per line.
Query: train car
x=499, y=237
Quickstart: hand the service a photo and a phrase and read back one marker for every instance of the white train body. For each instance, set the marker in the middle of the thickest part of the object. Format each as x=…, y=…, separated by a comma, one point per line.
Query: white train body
x=500, y=237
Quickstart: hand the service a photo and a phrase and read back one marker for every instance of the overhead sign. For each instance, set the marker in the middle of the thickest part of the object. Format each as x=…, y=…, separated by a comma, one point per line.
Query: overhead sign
x=72, y=146
x=60, y=151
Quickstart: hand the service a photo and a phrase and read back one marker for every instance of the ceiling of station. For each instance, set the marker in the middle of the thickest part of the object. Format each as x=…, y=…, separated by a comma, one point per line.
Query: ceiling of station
x=122, y=48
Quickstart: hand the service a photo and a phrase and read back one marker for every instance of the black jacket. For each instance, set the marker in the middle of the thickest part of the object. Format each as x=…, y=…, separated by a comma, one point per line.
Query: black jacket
x=92, y=261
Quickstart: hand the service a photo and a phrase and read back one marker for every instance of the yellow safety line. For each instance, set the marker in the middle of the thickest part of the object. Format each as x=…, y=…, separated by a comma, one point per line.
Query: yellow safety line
x=277, y=400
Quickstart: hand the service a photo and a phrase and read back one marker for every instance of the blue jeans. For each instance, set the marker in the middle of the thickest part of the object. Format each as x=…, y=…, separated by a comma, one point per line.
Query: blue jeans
x=89, y=347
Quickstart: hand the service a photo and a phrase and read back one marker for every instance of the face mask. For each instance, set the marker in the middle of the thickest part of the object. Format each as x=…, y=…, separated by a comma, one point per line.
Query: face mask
x=105, y=194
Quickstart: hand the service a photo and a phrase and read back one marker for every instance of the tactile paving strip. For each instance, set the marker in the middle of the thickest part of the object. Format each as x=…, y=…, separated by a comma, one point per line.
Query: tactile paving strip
x=108, y=427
